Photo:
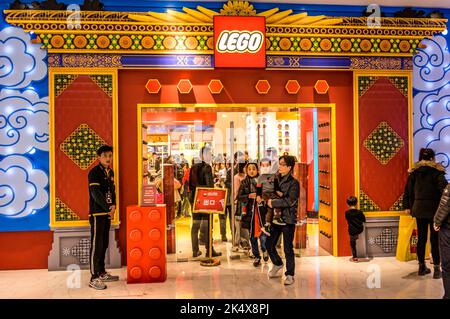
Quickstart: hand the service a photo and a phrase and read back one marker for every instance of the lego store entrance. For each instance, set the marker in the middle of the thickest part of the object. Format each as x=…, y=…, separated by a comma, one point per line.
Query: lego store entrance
x=170, y=138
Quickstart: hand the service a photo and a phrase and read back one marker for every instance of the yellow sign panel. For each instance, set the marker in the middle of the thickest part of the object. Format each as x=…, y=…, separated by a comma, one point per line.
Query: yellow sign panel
x=157, y=138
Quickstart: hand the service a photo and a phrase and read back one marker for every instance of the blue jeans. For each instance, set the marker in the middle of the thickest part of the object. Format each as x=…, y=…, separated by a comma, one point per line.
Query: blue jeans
x=254, y=243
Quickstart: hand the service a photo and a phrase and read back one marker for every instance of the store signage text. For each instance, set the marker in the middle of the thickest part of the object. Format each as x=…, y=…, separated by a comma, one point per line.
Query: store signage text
x=239, y=42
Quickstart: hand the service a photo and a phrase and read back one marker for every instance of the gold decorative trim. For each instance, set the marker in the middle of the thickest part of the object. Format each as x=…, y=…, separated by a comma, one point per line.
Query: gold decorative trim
x=191, y=32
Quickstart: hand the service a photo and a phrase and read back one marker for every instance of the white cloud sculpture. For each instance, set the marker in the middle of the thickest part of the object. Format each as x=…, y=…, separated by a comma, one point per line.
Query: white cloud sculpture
x=431, y=80
x=23, y=122
x=21, y=61
x=22, y=187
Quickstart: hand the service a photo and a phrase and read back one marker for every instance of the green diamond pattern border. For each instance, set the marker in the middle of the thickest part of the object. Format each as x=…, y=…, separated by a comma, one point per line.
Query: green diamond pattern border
x=63, y=212
x=383, y=143
x=81, y=146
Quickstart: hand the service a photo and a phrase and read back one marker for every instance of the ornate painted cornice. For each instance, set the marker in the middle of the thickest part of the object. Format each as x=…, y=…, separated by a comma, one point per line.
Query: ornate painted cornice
x=191, y=32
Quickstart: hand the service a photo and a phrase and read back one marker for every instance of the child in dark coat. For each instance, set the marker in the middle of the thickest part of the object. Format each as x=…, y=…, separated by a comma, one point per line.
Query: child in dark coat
x=355, y=219
x=253, y=216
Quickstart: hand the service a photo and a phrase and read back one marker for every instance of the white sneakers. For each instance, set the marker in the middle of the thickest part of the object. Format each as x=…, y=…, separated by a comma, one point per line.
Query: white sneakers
x=275, y=272
x=289, y=280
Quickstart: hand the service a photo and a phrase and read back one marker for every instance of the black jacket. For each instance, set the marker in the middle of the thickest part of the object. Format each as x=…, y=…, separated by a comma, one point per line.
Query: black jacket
x=442, y=215
x=424, y=188
x=102, y=191
x=248, y=186
x=200, y=176
x=355, y=219
x=290, y=188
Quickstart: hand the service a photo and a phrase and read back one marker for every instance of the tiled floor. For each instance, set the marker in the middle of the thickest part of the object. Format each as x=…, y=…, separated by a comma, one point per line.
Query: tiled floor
x=316, y=277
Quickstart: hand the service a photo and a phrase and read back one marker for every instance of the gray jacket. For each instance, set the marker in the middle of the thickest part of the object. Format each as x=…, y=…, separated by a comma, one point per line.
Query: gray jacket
x=267, y=182
x=442, y=215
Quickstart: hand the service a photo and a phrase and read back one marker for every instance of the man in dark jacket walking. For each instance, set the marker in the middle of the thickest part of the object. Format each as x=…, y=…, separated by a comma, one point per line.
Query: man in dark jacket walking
x=288, y=203
x=201, y=176
x=423, y=191
x=442, y=225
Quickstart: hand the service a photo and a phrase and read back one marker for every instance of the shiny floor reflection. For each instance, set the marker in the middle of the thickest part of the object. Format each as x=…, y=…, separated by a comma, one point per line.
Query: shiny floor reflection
x=316, y=277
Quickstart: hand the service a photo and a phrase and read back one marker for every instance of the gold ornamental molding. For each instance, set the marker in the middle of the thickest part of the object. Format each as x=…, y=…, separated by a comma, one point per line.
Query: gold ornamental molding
x=190, y=31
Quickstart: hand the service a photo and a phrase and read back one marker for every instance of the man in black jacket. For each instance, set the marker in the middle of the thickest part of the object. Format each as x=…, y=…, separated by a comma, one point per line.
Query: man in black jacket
x=442, y=225
x=288, y=203
x=423, y=191
x=201, y=175
x=102, y=206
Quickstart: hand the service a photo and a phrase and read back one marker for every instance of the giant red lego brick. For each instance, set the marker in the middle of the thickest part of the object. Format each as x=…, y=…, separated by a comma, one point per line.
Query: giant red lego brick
x=146, y=244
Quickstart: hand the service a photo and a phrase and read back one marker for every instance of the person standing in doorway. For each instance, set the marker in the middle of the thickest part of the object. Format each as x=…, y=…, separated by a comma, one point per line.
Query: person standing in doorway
x=288, y=202
x=423, y=191
x=231, y=171
x=271, y=153
x=442, y=225
x=201, y=176
x=102, y=206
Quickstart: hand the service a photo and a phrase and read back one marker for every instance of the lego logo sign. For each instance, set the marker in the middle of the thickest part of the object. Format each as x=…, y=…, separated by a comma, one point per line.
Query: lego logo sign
x=239, y=42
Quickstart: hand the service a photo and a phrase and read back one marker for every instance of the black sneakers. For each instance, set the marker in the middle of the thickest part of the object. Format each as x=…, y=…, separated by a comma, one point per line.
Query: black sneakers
x=437, y=272
x=423, y=270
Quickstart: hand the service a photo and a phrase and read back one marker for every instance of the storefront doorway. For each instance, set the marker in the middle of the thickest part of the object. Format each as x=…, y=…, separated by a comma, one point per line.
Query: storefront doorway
x=174, y=134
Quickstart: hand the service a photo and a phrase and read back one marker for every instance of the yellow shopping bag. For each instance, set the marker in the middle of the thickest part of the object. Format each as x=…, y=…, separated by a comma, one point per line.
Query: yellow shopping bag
x=407, y=239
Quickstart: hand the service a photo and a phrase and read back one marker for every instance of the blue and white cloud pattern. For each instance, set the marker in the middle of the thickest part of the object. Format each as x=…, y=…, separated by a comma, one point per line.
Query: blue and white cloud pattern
x=24, y=122
x=21, y=62
x=22, y=188
x=431, y=82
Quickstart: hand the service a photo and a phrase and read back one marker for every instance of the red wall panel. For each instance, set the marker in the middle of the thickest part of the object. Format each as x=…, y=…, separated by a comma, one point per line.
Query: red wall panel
x=383, y=102
x=25, y=250
x=83, y=102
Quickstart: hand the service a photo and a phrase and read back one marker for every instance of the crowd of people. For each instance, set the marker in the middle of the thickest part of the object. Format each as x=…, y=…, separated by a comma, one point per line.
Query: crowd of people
x=265, y=197
x=265, y=200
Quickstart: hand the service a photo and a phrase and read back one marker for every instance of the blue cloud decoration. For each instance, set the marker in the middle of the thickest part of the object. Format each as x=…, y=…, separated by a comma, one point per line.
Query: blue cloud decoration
x=24, y=133
x=431, y=84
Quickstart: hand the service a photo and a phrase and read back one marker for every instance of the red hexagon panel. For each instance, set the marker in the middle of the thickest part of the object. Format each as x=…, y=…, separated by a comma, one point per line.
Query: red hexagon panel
x=292, y=86
x=263, y=86
x=153, y=86
x=215, y=86
x=184, y=86
x=321, y=87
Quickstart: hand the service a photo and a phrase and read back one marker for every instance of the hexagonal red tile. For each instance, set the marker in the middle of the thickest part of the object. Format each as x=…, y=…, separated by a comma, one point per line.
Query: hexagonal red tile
x=263, y=86
x=292, y=86
x=321, y=87
x=215, y=86
x=153, y=86
x=184, y=86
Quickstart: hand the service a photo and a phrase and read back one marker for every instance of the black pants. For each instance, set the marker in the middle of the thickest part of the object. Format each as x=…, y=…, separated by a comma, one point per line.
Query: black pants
x=423, y=224
x=353, y=239
x=288, y=232
x=99, y=243
x=444, y=245
x=200, y=223
x=223, y=221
